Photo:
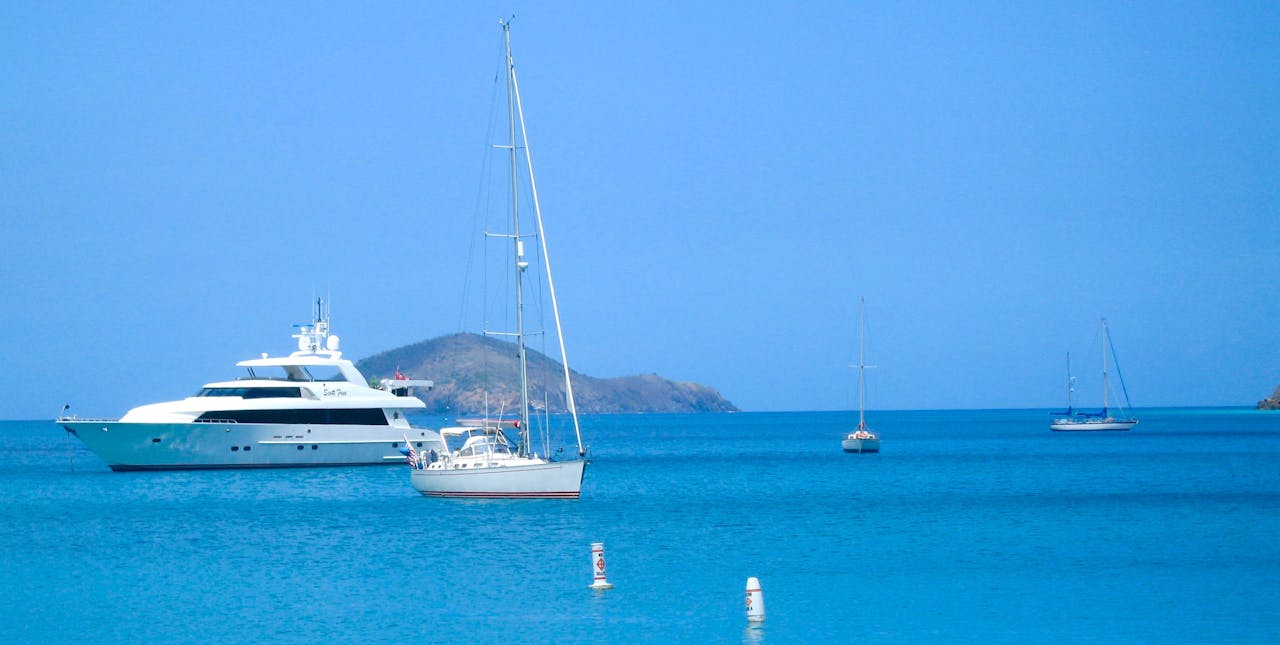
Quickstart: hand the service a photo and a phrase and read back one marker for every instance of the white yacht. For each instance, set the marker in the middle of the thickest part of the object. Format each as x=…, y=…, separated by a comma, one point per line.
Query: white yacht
x=310, y=408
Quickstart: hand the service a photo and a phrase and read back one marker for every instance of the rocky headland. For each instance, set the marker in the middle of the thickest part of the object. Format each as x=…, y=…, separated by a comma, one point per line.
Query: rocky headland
x=1272, y=402
x=465, y=367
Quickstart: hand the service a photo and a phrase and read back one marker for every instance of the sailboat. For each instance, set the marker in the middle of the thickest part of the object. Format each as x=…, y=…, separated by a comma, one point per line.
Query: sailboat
x=1074, y=421
x=862, y=439
x=483, y=461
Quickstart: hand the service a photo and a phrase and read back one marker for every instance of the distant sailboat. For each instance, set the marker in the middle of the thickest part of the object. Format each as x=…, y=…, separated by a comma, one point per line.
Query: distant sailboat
x=1073, y=421
x=486, y=463
x=862, y=439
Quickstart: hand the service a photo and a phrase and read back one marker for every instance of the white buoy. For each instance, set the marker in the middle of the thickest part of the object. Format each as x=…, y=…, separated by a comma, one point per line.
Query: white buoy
x=597, y=567
x=755, y=601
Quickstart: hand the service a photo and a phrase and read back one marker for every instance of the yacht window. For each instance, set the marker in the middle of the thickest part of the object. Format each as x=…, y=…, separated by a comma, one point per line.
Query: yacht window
x=280, y=373
x=254, y=392
x=324, y=373
x=311, y=416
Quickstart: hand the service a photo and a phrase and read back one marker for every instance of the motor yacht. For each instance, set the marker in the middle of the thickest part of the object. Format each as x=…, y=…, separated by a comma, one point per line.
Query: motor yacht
x=310, y=408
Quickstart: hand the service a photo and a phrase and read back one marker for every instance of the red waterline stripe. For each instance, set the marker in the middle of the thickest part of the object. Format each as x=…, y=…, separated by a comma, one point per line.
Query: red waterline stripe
x=571, y=495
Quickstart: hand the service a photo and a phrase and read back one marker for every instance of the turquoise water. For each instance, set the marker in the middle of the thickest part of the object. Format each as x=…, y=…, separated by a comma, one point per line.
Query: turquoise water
x=971, y=526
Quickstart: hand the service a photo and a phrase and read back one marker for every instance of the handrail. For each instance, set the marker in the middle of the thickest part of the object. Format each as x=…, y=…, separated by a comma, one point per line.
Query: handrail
x=72, y=419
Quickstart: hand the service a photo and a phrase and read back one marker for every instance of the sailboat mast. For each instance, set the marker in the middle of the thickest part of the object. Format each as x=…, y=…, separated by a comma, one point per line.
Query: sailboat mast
x=1071, y=390
x=1105, y=385
x=542, y=237
x=518, y=244
x=862, y=362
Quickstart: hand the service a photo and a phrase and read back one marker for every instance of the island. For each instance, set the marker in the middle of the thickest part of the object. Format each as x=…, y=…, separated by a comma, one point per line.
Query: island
x=467, y=367
x=1271, y=403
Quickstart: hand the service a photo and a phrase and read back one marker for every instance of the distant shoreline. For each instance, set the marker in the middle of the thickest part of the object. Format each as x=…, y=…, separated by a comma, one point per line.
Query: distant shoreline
x=1047, y=411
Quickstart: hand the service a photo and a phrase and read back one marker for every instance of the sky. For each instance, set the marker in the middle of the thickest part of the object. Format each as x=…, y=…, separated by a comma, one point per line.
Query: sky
x=721, y=183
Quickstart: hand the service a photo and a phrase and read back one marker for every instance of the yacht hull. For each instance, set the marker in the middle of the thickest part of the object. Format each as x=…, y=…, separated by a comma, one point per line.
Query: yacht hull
x=1063, y=425
x=184, y=446
x=861, y=445
x=555, y=479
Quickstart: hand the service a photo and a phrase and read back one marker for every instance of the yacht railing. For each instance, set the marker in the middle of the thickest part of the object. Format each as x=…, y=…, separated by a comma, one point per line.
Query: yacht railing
x=109, y=420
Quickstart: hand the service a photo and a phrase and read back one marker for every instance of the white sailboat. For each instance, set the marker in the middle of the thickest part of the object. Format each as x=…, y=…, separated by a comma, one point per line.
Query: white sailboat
x=1075, y=421
x=862, y=439
x=483, y=461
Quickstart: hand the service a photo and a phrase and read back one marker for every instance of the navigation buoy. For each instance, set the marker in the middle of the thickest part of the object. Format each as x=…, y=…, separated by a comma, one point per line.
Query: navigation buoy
x=755, y=601
x=597, y=567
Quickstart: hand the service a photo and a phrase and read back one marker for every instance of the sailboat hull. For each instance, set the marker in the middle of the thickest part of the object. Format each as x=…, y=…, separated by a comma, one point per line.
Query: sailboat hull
x=861, y=445
x=549, y=480
x=1066, y=425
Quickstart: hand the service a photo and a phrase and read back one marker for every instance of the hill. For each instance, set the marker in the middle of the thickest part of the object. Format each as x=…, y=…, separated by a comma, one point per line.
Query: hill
x=1272, y=403
x=466, y=366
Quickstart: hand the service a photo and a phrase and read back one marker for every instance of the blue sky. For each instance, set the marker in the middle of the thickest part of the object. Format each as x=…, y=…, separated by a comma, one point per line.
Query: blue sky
x=721, y=183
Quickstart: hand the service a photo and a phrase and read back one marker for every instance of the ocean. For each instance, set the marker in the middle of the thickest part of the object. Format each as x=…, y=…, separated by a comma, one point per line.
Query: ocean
x=969, y=526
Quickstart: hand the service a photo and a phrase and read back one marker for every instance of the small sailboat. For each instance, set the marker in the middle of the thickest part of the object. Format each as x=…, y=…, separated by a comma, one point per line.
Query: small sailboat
x=862, y=439
x=1072, y=420
x=477, y=458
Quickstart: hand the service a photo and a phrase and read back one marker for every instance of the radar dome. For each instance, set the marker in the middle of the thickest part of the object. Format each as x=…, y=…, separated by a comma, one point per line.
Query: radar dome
x=332, y=343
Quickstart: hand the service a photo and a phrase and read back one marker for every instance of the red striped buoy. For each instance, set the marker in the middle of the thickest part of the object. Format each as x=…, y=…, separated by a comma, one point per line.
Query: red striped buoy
x=597, y=567
x=755, y=601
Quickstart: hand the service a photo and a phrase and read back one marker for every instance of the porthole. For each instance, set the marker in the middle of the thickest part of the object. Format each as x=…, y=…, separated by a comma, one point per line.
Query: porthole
x=235, y=448
x=299, y=447
x=248, y=448
x=315, y=447
x=156, y=440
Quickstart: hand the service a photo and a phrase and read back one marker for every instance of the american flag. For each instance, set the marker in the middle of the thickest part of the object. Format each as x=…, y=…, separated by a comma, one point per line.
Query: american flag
x=413, y=454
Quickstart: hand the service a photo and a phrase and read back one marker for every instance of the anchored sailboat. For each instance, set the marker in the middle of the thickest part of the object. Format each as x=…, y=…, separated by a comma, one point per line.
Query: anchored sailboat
x=485, y=461
x=1072, y=420
x=862, y=439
